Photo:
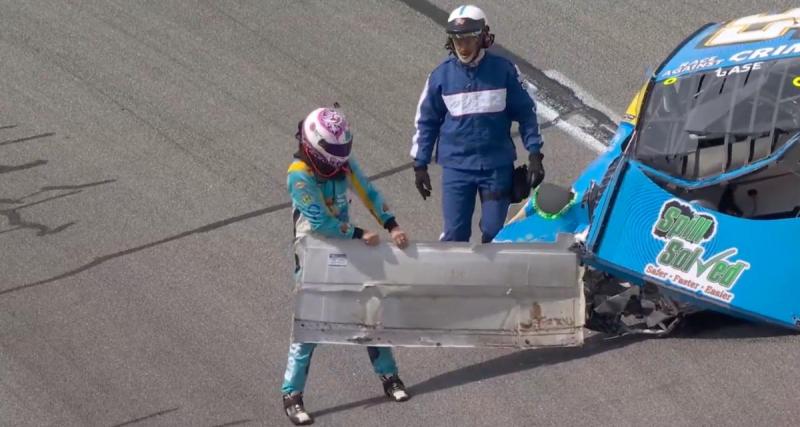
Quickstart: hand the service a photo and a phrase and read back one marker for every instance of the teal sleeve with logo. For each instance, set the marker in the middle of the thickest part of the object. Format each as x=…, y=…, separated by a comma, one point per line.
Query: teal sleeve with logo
x=368, y=193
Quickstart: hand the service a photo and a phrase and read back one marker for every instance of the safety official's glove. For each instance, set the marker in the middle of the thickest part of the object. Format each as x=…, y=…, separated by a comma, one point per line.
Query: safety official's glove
x=423, y=181
x=535, y=169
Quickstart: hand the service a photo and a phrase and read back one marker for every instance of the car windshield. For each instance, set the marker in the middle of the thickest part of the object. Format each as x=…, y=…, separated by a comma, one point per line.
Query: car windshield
x=704, y=124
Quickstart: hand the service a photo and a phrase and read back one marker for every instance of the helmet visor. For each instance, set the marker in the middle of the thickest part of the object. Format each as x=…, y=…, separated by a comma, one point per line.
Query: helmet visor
x=338, y=150
x=465, y=26
x=463, y=36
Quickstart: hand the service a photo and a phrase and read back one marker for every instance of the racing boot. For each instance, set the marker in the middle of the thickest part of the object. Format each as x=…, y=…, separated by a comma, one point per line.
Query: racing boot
x=394, y=388
x=293, y=406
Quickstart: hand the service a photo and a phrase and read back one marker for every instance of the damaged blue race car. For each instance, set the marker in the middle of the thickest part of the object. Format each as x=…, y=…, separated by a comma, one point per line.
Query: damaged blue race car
x=696, y=203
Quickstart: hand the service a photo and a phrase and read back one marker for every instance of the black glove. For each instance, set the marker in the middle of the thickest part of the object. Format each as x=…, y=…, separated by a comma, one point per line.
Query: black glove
x=535, y=169
x=520, y=184
x=423, y=181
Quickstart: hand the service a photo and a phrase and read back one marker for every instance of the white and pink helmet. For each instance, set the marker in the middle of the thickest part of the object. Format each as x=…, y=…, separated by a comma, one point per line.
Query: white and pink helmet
x=326, y=132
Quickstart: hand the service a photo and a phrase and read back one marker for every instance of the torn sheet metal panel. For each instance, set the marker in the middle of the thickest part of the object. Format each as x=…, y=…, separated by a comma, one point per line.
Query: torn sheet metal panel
x=439, y=294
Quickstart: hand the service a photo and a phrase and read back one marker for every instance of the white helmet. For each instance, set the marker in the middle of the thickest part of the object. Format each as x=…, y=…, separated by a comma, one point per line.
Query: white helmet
x=326, y=133
x=466, y=21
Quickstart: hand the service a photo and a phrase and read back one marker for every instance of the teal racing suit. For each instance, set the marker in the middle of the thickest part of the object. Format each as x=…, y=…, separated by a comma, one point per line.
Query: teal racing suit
x=321, y=207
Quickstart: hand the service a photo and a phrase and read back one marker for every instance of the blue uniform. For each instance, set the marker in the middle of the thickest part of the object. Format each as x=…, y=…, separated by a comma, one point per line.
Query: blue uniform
x=465, y=113
x=321, y=206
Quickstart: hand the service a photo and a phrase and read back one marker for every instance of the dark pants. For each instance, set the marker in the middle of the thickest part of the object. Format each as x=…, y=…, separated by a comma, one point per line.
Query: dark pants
x=459, y=187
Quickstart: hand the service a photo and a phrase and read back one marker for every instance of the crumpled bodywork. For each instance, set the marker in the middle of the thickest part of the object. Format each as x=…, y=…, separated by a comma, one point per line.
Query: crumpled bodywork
x=439, y=294
x=695, y=202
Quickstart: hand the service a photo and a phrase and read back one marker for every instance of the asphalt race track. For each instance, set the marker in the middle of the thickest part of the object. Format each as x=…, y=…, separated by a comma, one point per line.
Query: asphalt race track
x=145, y=230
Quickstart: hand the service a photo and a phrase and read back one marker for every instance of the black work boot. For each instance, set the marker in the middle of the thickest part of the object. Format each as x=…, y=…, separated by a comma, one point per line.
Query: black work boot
x=394, y=388
x=293, y=406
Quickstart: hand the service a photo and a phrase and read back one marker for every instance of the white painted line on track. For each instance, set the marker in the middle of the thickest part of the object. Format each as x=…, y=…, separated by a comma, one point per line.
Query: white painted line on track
x=583, y=94
x=550, y=114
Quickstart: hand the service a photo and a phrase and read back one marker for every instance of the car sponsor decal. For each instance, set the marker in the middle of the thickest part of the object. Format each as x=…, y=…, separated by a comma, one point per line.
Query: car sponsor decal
x=737, y=69
x=337, y=260
x=694, y=65
x=765, y=53
x=683, y=261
